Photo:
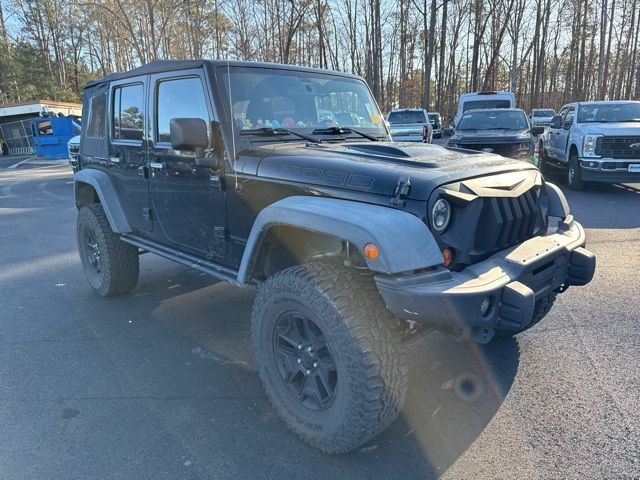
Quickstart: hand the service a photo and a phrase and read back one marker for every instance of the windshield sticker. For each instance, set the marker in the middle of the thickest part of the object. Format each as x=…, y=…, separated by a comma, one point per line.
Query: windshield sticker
x=376, y=118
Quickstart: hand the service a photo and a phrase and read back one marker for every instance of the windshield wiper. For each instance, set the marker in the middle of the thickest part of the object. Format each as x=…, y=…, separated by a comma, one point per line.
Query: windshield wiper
x=343, y=131
x=272, y=131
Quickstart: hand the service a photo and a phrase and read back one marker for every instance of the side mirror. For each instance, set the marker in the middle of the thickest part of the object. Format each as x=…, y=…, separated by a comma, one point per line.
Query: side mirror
x=189, y=134
x=556, y=121
x=537, y=130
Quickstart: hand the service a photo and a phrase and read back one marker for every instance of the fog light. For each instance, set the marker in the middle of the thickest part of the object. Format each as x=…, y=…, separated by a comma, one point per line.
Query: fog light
x=484, y=306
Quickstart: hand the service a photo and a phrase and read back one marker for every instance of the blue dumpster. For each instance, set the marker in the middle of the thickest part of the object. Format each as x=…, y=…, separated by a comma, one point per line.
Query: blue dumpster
x=51, y=135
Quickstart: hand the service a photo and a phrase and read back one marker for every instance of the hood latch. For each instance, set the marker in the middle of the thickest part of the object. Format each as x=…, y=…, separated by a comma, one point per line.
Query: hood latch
x=401, y=191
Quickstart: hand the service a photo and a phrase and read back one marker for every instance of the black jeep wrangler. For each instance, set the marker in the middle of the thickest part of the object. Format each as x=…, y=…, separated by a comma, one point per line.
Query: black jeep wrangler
x=285, y=178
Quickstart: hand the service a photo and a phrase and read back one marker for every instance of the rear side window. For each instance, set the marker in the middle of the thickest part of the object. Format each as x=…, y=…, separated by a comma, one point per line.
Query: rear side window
x=179, y=98
x=97, y=112
x=128, y=112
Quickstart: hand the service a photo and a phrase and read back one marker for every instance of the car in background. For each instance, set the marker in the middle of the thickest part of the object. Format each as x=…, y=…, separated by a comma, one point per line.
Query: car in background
x=504, y=131
x=436, y=122
x=594, y=142
x=410, y=125
x=541, y=117
x=483, y=100
x=73, y=147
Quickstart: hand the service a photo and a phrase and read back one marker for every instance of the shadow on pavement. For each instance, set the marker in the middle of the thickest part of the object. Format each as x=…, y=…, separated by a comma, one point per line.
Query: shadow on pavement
x=455, y=388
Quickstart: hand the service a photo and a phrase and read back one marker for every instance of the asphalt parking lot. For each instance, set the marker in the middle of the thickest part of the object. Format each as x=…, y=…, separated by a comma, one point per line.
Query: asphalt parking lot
x=160, y=383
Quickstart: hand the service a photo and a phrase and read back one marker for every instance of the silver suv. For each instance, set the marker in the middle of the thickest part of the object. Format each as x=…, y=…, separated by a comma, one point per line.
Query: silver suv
x=594, y=142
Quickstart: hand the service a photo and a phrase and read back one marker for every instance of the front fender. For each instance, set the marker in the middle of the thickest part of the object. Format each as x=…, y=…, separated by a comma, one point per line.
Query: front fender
x=404, y=241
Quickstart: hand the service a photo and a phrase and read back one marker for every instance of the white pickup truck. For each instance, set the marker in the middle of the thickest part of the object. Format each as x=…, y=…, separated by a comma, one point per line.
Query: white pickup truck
x=594, y=142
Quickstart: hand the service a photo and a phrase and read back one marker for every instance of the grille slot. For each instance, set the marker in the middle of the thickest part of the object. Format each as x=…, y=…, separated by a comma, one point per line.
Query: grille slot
x=507, y=221
x=504, y=149
x=617, y=147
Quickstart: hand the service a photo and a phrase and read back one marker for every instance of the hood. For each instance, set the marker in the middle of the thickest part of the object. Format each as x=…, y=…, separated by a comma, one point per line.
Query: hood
x=485, y=136
x=373, y=168
x=612, y=129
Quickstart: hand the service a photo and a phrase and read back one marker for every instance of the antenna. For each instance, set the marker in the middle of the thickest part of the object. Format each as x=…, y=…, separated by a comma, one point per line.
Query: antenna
x=233, y=125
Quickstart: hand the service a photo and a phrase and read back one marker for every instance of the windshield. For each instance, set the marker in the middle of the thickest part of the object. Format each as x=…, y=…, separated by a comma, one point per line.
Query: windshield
x=298, y=100
x=434, y=119
x=483, y=104
x=399, y=117
x=491, y=120
x=609, y=112
x=544, y=113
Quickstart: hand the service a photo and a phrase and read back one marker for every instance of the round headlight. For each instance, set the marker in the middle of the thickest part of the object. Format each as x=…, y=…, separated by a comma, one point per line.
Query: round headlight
x=440, y=215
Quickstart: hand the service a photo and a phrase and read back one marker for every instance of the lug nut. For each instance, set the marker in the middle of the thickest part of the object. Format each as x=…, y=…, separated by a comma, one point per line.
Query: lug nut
x=299, y=360
x=315, y=364
x=309, y=349
x=308, y=372
x=300, y=347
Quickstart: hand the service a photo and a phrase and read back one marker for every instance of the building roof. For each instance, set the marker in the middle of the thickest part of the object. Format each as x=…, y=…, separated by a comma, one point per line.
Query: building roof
x=36, y=106
x=48, y=103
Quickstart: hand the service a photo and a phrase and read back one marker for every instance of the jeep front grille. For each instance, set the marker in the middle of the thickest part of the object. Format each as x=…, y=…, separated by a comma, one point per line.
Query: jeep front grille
x=617, y=147
x=507, y=221
x=491, y=213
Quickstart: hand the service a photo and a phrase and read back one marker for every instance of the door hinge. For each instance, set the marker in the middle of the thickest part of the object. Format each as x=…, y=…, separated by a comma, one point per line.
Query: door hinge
x=401, y=191
x=146, y=213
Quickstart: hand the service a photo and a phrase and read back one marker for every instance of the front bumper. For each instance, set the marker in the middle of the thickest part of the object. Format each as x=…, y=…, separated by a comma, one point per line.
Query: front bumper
x=597, y=170
x=512, y=280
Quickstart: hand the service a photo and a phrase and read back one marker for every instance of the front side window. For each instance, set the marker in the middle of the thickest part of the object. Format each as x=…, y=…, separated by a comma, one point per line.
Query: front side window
x=493, y=120
x=97, y=113
x=128, y=112
x=179, y=98
x=568, y=119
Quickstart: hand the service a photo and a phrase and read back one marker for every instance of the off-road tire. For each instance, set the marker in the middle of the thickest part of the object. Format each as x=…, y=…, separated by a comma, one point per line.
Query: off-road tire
x=542, y=307
x=574, y=180
x=119, y=262
x=358, y=329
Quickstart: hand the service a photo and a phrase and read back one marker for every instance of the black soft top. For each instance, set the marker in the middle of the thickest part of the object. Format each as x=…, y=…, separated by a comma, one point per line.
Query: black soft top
x=157, y=66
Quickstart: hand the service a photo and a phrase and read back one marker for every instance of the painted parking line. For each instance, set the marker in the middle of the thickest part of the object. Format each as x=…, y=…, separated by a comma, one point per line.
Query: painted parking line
x=16, y=165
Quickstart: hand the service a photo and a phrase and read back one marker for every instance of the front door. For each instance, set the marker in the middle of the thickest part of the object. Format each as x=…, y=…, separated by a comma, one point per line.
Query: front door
x=128, y=151
x=554, y=133
x=188, y=200
x=563, y=135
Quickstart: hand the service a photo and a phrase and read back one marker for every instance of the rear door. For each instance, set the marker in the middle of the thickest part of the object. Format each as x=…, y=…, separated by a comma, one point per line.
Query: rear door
x=128, y=150
x=187, y=199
